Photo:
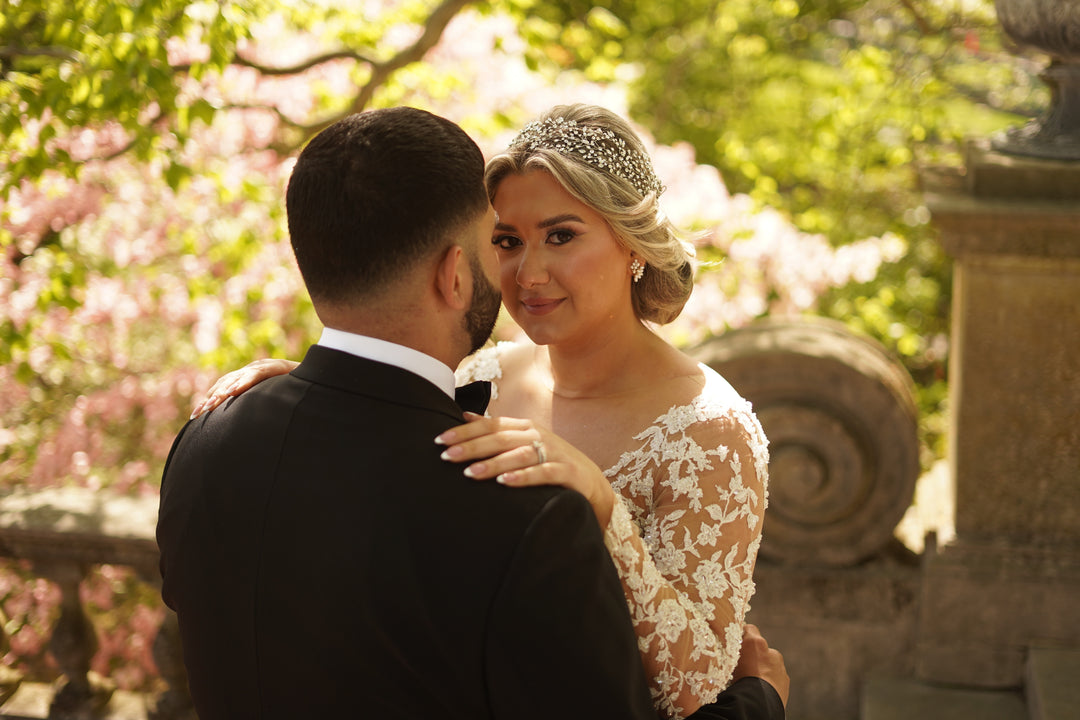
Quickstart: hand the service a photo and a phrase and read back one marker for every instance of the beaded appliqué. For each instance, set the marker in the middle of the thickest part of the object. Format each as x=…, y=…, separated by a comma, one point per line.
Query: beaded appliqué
x=597, y=146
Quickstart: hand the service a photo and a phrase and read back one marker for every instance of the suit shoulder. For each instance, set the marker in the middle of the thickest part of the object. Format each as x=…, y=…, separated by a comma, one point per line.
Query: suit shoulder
x=516, y=510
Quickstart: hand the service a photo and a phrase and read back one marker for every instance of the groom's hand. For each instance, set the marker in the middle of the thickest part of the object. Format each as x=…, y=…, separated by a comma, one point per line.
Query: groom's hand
x=759, y=660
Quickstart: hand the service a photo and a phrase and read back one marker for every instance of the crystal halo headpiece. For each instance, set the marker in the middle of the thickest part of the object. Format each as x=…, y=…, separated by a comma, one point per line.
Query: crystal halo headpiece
x=597, y=146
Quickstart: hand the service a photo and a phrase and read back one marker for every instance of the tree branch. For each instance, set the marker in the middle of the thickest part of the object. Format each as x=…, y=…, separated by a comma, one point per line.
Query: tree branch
x=266, y=107
x=433, y=30
x=924, y=25
x=296, y=69
x=305, y=65
x=381, y=71
x=9, y=52
x=49, y=237
x=150, y=122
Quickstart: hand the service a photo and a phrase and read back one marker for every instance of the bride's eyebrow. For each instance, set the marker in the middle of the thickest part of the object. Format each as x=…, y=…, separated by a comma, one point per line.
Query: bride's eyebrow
x=559, y=219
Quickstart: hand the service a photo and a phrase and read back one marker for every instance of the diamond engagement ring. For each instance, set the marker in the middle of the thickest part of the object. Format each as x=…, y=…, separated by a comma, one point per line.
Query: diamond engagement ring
x=541, y=456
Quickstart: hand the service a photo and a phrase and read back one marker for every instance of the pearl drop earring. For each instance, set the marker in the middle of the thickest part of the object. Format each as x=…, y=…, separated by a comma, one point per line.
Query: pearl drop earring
x=637, y=269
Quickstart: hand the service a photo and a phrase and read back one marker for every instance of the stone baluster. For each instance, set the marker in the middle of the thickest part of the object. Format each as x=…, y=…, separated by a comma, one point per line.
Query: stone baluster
x=10, y=678
x=73, y=644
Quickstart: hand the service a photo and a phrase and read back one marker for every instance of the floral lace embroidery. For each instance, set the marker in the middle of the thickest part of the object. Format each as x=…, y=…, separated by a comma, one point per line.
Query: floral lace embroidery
x=686, y=536
x=685, y=540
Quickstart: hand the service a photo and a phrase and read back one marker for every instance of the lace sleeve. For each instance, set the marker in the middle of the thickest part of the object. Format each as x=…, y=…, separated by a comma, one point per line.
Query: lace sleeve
x=684, y=541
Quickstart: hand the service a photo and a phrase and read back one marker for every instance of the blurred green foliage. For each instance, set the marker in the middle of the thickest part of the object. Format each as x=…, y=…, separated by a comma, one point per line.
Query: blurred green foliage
x=81, y=63
x=824, y=109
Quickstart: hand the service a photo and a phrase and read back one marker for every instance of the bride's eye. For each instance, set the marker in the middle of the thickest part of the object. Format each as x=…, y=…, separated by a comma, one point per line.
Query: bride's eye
x=561, y=236
x=505, y=242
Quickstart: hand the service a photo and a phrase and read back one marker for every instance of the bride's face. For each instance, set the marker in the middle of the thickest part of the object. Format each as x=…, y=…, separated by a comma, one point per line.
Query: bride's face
x=564, y=276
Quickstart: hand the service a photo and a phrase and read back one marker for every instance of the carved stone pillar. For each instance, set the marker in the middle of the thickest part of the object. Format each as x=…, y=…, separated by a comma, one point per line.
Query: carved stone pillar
x=1011, y=579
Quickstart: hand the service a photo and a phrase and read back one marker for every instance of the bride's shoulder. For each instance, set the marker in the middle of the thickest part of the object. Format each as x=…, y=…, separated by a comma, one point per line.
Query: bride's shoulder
x=720, y=404
x=716, y=400
x=717, y=388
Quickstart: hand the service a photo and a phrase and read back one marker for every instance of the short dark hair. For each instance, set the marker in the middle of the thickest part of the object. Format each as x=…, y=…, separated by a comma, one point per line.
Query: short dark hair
x=375, y=192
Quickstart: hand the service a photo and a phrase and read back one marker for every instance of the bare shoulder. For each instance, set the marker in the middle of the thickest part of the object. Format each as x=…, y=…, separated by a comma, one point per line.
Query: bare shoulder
x=696, y=394
x=507, y=366
x=516, y=357
x=677, y=378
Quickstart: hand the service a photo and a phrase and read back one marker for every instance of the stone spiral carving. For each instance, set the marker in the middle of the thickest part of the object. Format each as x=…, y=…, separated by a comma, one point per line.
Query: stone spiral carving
x=841, y=421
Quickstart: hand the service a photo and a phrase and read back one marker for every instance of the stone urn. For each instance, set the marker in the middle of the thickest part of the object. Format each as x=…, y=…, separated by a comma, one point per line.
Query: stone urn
x=1053, y=27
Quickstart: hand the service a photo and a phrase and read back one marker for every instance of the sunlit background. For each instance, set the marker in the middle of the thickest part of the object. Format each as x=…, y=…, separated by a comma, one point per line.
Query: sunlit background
x=144, y=150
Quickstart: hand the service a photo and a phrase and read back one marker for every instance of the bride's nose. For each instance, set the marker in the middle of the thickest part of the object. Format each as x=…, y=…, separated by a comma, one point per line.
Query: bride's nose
x=532, y=269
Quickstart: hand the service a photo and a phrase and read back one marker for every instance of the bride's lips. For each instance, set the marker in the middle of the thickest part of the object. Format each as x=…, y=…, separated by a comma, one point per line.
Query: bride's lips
x=541, y=306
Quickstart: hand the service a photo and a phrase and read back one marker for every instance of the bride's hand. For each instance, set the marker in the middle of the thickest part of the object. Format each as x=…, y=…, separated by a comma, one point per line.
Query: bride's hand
x=240, y=380
x=518, y=453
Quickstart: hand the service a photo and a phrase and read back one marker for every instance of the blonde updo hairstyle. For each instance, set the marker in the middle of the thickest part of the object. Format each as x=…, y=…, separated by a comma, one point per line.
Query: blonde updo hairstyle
x=635, y=220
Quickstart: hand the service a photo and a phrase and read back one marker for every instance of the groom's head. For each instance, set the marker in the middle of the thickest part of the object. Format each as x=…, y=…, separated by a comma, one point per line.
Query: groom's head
x=377, y=199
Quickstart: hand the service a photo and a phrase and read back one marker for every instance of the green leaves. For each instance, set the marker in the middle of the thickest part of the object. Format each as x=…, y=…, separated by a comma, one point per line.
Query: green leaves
x=75, y=64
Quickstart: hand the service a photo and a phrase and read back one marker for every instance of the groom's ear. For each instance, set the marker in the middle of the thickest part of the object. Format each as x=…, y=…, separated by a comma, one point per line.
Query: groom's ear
x=452, y=278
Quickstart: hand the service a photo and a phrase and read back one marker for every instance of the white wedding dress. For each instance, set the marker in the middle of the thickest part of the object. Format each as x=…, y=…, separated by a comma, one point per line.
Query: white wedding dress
x=686, y=536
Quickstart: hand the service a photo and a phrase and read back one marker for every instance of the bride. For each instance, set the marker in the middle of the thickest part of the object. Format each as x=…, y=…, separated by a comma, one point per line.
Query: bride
x=671, y=458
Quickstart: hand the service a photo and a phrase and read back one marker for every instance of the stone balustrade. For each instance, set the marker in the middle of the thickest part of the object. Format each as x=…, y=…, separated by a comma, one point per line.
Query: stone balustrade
x=63, y=532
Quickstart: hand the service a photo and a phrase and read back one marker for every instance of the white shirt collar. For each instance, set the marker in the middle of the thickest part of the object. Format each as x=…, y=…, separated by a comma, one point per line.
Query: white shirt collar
x=390, y=353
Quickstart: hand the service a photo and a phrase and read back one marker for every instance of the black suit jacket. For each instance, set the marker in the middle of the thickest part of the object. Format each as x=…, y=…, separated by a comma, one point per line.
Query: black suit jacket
x=324, y=562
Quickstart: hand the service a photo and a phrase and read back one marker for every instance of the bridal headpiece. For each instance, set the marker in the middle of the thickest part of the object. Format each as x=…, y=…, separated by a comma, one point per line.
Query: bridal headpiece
x=597, y=146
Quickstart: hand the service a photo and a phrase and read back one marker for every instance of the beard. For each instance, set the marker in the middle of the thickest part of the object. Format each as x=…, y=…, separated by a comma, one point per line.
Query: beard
x=483, y=310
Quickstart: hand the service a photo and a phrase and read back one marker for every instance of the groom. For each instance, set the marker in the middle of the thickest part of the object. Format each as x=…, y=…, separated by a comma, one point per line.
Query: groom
x=322, y=560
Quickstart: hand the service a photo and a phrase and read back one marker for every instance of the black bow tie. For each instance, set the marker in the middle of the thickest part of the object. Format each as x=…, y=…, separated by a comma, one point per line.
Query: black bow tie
x=474, y=397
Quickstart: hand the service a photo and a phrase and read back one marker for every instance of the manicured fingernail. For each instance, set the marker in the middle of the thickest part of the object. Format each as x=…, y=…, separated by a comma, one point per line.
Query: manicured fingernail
x=474, y=470
x=445, y=439
x=506, y=478
x=451, y=453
